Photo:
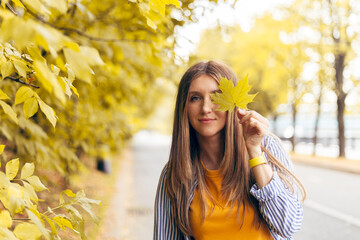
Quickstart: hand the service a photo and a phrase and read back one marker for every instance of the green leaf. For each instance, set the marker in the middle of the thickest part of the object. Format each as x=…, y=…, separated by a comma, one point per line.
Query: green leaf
x=21, y=68
x=12, y=168
x=5, y=219
x=27, y=170
x=6, y=69
x=3, y=96
x=36, y=183
x=30, y=107
x=9, y=111
x=27, y=231
x=23, y=94
x=231, y=96
x=48, y=111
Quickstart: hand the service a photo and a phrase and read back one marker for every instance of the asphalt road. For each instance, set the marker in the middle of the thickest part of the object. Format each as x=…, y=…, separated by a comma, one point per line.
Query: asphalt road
x=331, y=210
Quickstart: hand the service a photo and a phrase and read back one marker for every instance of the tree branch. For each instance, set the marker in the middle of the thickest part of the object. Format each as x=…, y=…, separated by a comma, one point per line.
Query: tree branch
x=17, y=79
x=39, y=18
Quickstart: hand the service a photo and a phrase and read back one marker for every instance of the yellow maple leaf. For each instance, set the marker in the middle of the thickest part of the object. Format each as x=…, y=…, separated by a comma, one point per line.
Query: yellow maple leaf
x=231, y=95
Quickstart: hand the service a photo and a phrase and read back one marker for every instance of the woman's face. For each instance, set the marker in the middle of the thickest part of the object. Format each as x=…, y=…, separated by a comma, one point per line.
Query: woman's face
x=201, y=110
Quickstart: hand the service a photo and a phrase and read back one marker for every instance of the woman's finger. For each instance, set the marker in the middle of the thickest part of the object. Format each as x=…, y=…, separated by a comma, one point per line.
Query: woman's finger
x=244, y=116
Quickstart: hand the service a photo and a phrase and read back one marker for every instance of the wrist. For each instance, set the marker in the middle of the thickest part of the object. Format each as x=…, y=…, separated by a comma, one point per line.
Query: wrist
x=253, y=153
x=257, y=161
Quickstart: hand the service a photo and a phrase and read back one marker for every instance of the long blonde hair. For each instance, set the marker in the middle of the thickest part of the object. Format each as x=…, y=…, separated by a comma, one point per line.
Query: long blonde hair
x=184, y=167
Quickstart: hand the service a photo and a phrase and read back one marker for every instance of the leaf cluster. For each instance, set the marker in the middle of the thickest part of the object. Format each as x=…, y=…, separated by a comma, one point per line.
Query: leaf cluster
x=20, y=218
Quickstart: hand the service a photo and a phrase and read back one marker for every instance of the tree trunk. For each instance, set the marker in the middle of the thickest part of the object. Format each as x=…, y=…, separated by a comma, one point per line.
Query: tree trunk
x=341, y=96
x=318, y=113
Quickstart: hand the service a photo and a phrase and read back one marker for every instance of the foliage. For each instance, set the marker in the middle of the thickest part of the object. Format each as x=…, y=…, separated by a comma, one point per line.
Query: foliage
x=86, y=67
x=21, y=219
x=231, y=95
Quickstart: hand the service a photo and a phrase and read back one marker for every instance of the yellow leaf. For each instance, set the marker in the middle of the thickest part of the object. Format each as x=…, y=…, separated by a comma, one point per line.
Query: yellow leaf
x=12, y=168
x=63, y=222
x=91, y=55
x=30, y=191
x=3, y=3
x=22, y=94
x=30, y=107
x=27, y=231
x=3, y=95
x=6, y=69
x=5, y=219
x=21, y=68
x=58, y=5
x=2, y=147
x=36, y=219
x=18, y=3
x=73, y=46
x=231, y=96
x=75, y=90
x=15, y=190
x=7, y=234
x=4, y=181
x=69, y=193
x=48, y=111
x=36, y=183
x=52, y=224
x=48, y=80
x=78, y=64
x=150, y=23
x=27, y=170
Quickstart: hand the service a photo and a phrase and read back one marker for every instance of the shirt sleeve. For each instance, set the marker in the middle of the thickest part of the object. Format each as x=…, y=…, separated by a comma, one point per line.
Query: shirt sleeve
x=165, y=227
x=280, y=208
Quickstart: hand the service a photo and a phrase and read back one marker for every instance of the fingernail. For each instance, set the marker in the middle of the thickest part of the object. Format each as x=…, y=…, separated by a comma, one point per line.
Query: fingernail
x=241, y=110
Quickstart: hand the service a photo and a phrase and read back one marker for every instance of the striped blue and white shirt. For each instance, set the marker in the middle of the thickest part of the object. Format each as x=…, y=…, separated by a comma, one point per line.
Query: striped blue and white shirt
x=281, y=210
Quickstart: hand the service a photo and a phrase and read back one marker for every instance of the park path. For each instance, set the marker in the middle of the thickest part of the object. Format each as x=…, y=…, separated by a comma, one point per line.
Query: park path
x=130, y=214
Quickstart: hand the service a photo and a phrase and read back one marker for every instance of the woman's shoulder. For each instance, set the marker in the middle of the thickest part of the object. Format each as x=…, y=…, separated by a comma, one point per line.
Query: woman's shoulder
x=270, y=139
x=163, y=173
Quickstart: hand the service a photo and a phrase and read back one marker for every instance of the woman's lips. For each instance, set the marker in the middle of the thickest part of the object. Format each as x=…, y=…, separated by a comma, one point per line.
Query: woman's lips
x=206, y=120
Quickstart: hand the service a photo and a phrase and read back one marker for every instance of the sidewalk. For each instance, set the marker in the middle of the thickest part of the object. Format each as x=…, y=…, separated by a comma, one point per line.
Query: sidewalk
x=339, y=164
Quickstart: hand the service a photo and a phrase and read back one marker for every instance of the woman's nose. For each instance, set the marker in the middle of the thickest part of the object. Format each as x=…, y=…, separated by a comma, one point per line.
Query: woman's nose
x=207, y=105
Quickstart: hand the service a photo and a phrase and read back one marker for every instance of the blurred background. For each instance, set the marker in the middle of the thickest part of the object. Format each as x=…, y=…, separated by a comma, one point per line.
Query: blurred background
x=88, y=91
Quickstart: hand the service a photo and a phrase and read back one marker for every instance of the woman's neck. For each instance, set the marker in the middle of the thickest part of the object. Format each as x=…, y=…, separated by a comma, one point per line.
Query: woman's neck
x=211, y=150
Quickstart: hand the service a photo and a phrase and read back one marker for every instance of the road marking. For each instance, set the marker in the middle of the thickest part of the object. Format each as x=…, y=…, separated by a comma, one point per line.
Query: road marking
x=332, y=212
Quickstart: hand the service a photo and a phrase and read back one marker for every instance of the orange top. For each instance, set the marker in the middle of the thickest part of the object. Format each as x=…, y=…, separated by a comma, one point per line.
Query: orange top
x=220, y=225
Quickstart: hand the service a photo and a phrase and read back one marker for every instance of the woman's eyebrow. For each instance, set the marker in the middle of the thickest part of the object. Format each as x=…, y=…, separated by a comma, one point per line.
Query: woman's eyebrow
x=214, y=91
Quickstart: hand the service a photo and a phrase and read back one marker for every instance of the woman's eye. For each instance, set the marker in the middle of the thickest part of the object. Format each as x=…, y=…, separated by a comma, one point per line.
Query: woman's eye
x=194, y=98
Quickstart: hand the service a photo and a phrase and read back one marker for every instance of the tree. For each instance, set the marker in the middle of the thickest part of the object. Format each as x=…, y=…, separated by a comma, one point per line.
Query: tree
x=335, y=21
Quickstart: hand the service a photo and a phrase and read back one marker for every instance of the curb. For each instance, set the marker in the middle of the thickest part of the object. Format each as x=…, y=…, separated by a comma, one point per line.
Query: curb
x=338, y=164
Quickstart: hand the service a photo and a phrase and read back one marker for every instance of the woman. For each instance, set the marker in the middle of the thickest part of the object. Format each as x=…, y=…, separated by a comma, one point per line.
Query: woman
x=226, y=177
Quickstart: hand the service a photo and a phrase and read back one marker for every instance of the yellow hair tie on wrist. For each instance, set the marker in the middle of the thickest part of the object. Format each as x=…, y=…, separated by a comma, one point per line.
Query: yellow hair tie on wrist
x=257, y=161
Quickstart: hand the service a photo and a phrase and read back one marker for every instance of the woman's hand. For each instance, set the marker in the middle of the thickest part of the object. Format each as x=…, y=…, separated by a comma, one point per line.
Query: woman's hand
x=255, y=127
